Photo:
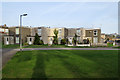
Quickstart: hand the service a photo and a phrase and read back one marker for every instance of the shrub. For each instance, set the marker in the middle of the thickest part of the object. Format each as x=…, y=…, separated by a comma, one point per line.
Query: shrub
x=86, y=41
x=36, y=40
x=63, y=41
x=41, y=42
x=55, y=41
x=25, y=43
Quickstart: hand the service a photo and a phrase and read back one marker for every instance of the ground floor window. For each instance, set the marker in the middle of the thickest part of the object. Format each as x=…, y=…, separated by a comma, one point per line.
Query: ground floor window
x=95, y=40
x=30, y=39
x=7, y=39
x=17, y=39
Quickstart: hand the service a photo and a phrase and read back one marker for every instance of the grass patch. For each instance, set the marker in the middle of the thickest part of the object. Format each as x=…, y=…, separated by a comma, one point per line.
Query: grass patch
x=109, y=44
x=56, y=46
x=63, y=64
x=11, y=46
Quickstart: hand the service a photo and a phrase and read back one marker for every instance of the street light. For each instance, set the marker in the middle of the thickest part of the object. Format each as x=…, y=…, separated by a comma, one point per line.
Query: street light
x=21, y=31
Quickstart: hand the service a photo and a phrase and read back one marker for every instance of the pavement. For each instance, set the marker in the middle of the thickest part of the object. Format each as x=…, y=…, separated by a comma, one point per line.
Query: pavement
x=29, y=49
x=7, y=54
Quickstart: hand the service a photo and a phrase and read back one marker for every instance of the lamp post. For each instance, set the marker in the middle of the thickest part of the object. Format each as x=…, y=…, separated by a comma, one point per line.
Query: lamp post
x=21, y=30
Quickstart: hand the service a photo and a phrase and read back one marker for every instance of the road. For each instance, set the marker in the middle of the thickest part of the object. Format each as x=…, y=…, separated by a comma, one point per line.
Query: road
x=7, y=54
x=29, y=49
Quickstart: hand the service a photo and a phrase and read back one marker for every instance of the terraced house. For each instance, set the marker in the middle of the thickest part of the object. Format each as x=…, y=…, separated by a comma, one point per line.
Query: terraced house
x=46, y=34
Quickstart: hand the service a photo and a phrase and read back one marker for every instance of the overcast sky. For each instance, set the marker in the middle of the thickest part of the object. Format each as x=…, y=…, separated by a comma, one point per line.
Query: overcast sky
x=102, y=15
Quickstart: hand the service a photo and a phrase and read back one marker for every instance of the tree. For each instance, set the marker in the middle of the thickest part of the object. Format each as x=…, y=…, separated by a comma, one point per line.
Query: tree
x=75, y=39
x=88, y=41
x=55, y=41
x=67, y=41
x=36, y=40
x=63, y=41
x=41, y=42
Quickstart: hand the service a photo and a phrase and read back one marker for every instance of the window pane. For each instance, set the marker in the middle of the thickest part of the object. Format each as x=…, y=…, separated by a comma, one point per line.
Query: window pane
x=39, y=31
x=17, y=30
x=17, y=39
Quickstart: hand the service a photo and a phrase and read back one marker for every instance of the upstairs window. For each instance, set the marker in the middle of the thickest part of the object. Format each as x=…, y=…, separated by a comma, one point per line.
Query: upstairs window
x=0, y=29
x=40, y=38
x=95, y=32
x=60, y=31
x=17, y=30
x=39, y=32
x=6, y=30
x=78, y=32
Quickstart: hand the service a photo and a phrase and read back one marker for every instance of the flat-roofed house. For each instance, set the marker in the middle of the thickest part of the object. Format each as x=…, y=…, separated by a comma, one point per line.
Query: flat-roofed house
x=94, y=35
x=14, y=35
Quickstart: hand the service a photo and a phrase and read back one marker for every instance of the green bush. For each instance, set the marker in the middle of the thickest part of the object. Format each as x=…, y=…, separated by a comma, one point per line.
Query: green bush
x=63, y=41
x=41, y=42
x=25, y=43
x=109, y=44
x=36, y=40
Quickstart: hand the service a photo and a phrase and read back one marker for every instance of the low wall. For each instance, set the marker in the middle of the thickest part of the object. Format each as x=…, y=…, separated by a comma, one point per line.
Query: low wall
x=98, y=44
x=83, y=45
x=80, y=45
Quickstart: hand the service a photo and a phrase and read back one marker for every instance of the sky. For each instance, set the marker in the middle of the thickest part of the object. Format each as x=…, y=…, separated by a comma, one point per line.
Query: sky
x=102, y=15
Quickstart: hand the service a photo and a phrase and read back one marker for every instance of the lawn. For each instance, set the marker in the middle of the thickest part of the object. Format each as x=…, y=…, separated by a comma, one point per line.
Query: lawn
x=63, y=64
x=56, y=46
x=11, y=46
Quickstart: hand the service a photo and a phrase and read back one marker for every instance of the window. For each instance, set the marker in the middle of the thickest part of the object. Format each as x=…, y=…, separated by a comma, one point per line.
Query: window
x=17, y=30
x=95, y=33
x=51, y=39
x=7, y=39
x=0, y=29
x=17, y=39
x=78, y=32
x=59, y=38
x=95, y=40
x=6, y=30
x=11, y=38
x=30, y=39
x=39, y=32
x=78, y=39
x=40, y=38
x=60, y=31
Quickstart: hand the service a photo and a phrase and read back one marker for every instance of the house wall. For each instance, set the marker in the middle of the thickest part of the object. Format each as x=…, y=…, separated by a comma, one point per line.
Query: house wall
x=71, y=32
x=90, y=33
x=25, y=32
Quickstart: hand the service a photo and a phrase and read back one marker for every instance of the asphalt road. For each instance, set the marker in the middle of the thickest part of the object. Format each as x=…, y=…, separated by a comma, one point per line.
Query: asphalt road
x=29, y=49
x=7, y=54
